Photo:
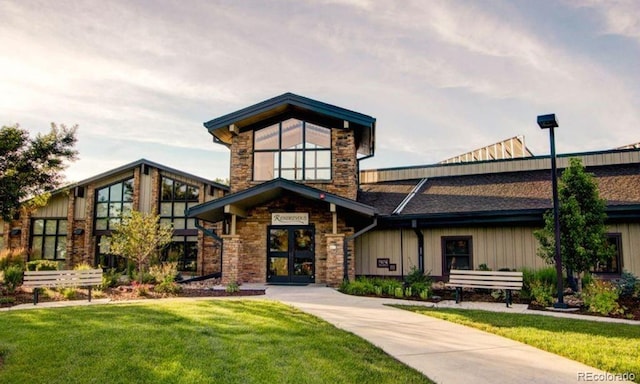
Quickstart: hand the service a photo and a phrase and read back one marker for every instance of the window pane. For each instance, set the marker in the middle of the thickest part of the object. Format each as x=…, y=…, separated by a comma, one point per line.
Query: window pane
x=101, y=224
x=192, y=193
x=36, y=248
x=38, y=227
x=191, y=224
x=192, y=239
x=113, y=222
x=267, y=138
x=278, y=240
x=181, y=191
x=49, y=247
x=62, y=227
x=317, y=136
x=115, y=192
x=127, y=208
x=61, y=251
x=50, y=227
x=291, y=134
x=165, y=209
x=323, y=159
x=166, y=222
x=128, y=191
x=103, y=194
x=179, y=208
x=179, y=224
x=264, y=165
x=114, y=210
x=167, y=189
x=323, y=174
x=278, y=266
x=102, y=209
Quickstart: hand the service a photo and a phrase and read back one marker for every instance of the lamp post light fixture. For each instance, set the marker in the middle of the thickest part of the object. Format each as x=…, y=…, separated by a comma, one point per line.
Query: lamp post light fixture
x=550, y=122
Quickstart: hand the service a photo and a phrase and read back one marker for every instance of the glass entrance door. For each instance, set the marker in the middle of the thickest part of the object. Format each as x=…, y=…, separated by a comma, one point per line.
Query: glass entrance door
x=291, y=256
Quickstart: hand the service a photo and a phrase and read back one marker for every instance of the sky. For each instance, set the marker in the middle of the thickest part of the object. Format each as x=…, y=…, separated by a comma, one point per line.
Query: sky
x=140, y=78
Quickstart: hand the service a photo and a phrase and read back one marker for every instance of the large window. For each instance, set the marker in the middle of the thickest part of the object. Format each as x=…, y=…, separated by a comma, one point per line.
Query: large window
x=292, y=149
x=611, y=266
x=49, y=239
x=457, y=253
x=112, y=202
x=175, y=198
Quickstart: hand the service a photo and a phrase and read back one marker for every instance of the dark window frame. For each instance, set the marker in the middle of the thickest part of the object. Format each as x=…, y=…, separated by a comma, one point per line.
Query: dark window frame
x=446, y=254
x=44, y=235
x=180, y=235
x=617, y=239
x=109, y=218
x=302, y=168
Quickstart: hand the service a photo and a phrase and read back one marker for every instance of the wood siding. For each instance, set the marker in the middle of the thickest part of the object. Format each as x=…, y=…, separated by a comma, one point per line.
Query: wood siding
x=146, y=190
x=630, y=245
x=56, y=207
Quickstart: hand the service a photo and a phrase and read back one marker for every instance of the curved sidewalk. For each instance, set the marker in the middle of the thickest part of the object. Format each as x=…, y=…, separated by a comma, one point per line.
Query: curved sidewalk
x=443, y=351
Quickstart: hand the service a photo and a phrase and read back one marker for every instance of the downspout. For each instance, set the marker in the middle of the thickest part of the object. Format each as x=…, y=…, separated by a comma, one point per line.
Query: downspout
x=345, y=245
x=213, y=235
x=414, y=225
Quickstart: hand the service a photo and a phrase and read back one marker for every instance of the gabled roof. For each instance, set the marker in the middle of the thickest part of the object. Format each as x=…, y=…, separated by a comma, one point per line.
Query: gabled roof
x=291, y=105
x=214, y=210
x=138, y=163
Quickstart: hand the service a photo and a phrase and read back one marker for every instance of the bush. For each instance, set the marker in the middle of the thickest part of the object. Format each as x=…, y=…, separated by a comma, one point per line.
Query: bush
x=164, y=272
x=545, y=276
x=232, y=287
x=13, y=277
x=360, y=287
x=42, y=265
x=602, y=297
x=418, y=282
x=541, y=293
x=111, y=278
x=69, y=293
x=627, y=283
x=168, y=287
x=83, y=267
x=483, y=267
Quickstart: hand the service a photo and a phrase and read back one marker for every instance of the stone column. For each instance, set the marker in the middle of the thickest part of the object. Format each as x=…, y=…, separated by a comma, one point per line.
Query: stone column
x=230, y=258
x=335, y=259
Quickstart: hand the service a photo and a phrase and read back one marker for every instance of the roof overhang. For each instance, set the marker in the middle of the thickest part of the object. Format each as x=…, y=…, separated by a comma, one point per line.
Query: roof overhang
x=290, y=105
x=238, y=203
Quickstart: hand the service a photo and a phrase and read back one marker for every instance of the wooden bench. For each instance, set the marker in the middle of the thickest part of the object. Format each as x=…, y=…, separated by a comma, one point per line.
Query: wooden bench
x=61, y=279
x=485, y=279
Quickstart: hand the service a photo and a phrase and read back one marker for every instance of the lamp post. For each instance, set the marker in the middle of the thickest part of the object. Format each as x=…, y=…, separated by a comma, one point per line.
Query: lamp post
x=550, y=122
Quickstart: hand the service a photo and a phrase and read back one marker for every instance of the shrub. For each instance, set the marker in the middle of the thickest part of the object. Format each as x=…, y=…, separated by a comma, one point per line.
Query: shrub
x=399, y=292
x=13, y=277
x=627, y=283
x=232, y=287
x=42, y=265
x=389, y=286
x=111, y=278
x=483, y=267
x=69, y=293
x=164, y=272
x=169, y=287
x=541, y=293
x=360, y=287
x=82, y=267
x=418, y=281
x=602, y=297
x=546, y=276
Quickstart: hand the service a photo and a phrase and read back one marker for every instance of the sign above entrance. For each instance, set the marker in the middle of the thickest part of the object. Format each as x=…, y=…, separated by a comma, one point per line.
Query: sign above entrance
x=297, y=218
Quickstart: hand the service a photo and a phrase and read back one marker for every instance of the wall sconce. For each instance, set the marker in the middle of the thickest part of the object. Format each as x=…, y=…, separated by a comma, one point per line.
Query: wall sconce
x=78, y=231
x=15, y=231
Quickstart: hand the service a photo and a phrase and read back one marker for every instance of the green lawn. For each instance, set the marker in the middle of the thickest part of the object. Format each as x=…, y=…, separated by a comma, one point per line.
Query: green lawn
x=186, y=341
x=614, y=348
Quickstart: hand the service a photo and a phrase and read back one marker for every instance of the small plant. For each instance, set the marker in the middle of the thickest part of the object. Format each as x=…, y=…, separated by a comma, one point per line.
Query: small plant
x=13, y=277
x=418, y=281
x=42, y=265
x=69, y=293
x=424, y=294
x=378, y=290
x=10, y=257
x=164, y=272
x=408, y=292
x=627, y=283
x=602, y=297
x=141, y=290
x=498, y=294
x=399, y=292
x=232, y=287
x=483, y=267
x=111, y=278
x=541, y=293
x=168, y=287
x=83, y=267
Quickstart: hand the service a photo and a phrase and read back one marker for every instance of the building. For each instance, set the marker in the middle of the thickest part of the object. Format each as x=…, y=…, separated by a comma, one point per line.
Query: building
x=299, y=209
x=75, y=225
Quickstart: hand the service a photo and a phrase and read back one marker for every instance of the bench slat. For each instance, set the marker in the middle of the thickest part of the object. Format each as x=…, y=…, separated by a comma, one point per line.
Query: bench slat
x=486, y=286
x=63, y=278
x=487, y=273
x=484, y=278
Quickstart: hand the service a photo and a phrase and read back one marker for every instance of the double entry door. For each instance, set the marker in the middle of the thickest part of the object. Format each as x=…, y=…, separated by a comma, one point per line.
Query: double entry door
x=290, y=254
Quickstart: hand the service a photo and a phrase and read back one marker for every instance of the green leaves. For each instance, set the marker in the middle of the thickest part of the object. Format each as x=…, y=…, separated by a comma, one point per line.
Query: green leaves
x=30, y=167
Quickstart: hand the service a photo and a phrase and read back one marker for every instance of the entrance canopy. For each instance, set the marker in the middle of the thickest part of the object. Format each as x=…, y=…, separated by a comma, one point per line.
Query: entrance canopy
x=238, y=203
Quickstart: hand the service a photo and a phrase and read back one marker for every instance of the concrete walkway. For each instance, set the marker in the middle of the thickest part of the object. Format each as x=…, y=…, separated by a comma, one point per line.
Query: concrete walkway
x=443, y=351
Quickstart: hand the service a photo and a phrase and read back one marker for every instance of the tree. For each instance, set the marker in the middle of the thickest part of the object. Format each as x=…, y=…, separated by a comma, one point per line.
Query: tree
x=139, y=237
x=31, y=167
x=582, y=224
